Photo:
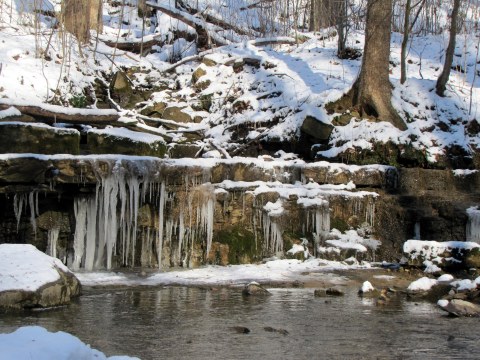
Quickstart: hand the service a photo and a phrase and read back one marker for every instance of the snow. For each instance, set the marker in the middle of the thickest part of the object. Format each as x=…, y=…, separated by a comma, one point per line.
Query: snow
x=273, y=271
x=292, y=82
x=58, y=130
x=45, y=345
x=445, y=278
x=430, y=250
x=367, y=287
x=23, y=267
x=465, y=284
x=422, y=284
x=129, y=134
x=11, y=111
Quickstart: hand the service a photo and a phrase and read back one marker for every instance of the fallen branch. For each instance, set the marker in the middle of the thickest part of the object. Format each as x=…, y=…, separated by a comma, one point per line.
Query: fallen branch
x=156, y=121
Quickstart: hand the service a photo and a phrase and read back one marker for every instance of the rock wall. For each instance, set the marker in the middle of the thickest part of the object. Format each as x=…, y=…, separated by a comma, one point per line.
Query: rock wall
x=112, y=211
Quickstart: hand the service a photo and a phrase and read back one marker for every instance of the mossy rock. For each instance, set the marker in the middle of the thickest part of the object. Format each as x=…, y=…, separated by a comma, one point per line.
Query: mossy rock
x=472, y=258
x=241, y=242
x=38, y=139
x=209, y=62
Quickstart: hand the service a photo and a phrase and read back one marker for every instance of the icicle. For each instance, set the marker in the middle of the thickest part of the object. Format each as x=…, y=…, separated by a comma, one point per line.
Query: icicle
x=33, y=204
x=473, y=224
x=80, y=210
x=18, y=201
x=416, y=231
x=91, y=234
x=161, y=210
x=52, y=242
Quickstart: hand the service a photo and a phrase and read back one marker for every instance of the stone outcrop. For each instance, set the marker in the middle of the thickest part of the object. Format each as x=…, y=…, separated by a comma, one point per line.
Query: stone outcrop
x=38, y=138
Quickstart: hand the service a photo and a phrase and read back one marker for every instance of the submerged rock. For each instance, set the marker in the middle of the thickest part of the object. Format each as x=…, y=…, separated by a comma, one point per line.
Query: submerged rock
x=30, y=278
x=278, y=331
x=255, y=289
x=241, y=329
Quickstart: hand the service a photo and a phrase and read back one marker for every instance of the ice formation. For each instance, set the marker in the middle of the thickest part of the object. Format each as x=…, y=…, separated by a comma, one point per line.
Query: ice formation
x=473, y=225
x=107, y=231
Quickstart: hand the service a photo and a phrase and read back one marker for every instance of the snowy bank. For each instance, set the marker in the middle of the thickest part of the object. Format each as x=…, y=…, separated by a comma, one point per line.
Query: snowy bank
x=28, y=340
x=275, y=271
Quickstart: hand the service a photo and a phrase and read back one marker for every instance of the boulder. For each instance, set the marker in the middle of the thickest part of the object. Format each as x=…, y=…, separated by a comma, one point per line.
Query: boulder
x=30, y=278
x=316, y=129
x=255, y=289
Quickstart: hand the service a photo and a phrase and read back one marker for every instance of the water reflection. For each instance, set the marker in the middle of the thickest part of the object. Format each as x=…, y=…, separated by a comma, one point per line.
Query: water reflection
x=192, y=323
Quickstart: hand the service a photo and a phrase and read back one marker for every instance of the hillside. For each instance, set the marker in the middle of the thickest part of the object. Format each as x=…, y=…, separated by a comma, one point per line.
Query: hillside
x=251, y=96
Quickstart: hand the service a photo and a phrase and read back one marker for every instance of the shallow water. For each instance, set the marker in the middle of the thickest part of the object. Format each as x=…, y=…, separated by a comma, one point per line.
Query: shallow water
x=193, y=323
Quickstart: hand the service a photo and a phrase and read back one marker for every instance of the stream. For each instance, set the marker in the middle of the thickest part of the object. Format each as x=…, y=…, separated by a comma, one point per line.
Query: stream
x=199, y=323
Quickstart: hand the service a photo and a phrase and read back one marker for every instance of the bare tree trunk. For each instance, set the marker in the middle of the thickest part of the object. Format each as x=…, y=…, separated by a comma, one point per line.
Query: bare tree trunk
x=443, y=78
x=372, y=90
x=341, y=23
x=407, y=29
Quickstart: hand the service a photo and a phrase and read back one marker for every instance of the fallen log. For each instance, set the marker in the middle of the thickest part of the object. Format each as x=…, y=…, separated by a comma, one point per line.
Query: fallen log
x=205, y=34
x=134, y=46
x=52, y=113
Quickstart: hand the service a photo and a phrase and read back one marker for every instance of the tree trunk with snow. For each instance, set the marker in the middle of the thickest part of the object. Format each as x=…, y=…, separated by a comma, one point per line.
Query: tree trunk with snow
x=79, y=17
x=372, y=91
x=450, y=52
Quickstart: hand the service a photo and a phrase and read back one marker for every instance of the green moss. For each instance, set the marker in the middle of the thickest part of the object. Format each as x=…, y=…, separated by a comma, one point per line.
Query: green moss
x=339, y=224
x=241, y=243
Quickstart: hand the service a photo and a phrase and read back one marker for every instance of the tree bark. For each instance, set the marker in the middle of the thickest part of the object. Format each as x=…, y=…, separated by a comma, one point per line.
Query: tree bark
x=443, y=78
x=81, y=16
x=372, y=91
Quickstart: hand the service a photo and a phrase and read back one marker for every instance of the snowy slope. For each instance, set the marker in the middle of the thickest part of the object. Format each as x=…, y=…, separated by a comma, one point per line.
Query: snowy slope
x=252, y=93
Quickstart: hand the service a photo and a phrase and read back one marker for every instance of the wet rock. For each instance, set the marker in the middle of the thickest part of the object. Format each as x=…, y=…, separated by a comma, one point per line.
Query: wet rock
x=457, y=307
x=255, y=289
x=334, y=292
